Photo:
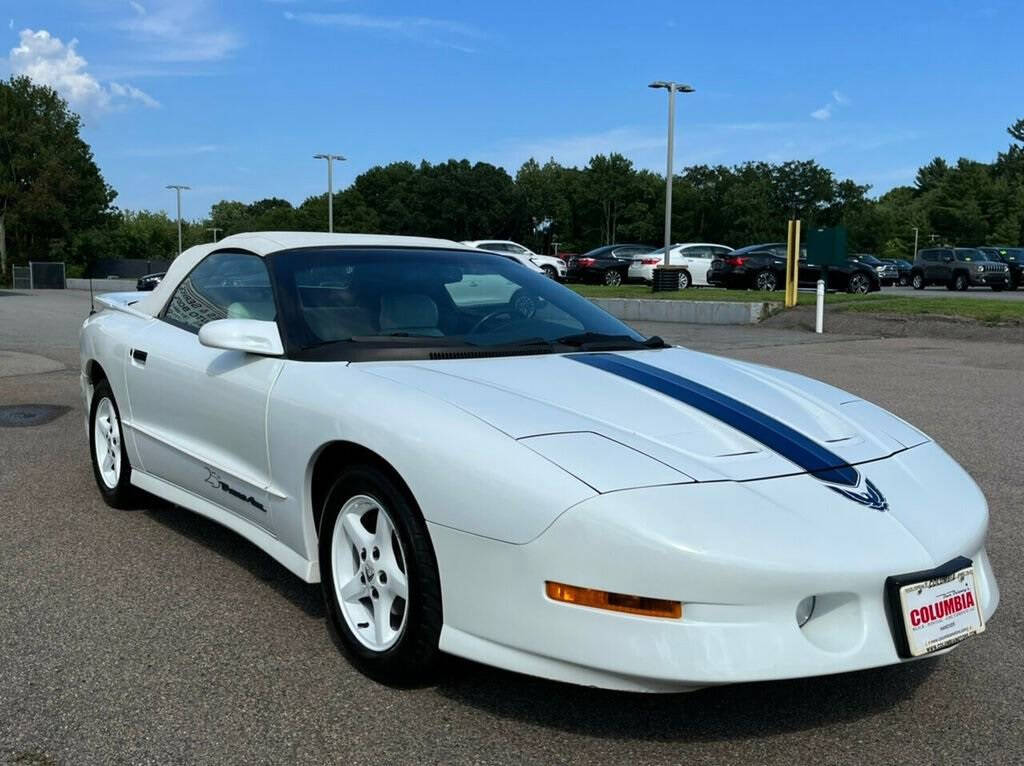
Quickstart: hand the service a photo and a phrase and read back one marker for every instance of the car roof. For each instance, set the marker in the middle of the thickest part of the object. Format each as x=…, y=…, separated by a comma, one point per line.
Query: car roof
x=263, y=243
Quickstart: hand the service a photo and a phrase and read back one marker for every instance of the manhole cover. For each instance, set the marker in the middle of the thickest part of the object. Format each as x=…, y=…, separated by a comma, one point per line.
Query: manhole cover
x=18, y=415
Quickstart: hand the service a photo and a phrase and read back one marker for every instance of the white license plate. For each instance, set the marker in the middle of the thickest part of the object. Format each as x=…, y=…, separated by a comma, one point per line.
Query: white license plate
x=941, y=612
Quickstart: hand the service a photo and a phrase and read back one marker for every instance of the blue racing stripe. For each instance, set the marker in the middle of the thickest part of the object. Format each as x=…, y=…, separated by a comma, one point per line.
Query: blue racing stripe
x=773, y=434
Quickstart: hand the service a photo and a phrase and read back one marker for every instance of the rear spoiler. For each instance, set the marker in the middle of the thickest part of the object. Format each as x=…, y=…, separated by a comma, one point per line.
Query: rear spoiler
x=123, y=302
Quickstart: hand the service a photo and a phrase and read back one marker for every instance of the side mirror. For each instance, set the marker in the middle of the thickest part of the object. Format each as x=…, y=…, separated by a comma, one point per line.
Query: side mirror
x=251, y=336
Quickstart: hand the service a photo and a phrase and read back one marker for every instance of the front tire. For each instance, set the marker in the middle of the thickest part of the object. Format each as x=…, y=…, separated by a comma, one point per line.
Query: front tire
x=917, y=281
x=379, y=578
x=550, y=271
x=110, y=465
x=960, y=283
x=903, y=281
x=859, y=284
x=684, y=280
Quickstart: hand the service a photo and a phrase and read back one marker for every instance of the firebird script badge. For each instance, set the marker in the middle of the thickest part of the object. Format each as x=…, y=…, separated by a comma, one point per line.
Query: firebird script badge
x=873, y=498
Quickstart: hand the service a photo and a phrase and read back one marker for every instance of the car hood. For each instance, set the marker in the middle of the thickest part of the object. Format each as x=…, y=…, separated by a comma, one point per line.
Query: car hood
x=614, y=432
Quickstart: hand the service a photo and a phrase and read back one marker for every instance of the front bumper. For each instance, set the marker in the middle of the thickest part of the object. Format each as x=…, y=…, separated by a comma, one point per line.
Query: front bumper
x=999, y=279
x=739, y=561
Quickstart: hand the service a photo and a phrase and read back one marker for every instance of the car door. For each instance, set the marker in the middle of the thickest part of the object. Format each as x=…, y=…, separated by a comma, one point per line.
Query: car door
x=698, y=261
x=199, y=413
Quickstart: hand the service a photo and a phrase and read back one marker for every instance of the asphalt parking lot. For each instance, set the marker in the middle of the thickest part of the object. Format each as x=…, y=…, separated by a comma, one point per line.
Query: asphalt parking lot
x=156, y=636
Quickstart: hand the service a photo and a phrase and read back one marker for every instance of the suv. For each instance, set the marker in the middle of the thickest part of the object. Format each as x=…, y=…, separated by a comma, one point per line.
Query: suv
x=1012, y=257
x=887, y=273
x=957, y=268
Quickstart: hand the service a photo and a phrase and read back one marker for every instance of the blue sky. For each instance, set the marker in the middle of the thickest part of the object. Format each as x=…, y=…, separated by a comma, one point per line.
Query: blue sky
x=234, y=97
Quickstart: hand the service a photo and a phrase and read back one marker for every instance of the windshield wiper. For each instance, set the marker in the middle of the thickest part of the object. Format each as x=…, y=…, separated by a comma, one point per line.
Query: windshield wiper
x=599, y=341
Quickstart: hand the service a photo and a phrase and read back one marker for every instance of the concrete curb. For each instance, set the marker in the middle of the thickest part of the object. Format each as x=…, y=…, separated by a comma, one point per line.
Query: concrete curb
x=103, y=285
x=691, y=312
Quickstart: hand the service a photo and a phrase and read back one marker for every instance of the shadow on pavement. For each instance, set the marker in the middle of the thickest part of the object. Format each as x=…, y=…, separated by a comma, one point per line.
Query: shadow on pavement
x=731, y=712
x=236, y=548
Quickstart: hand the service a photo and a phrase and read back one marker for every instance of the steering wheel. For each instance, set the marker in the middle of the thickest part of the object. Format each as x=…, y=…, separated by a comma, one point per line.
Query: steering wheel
x=487, y=318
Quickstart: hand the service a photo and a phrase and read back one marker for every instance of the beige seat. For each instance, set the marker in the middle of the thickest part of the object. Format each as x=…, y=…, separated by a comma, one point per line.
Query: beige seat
x=263, y=310
x=411, y=313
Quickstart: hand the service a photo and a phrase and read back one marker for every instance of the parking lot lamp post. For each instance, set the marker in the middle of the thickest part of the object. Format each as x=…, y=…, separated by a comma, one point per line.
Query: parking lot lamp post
x=330, y=185
x=672, y=88
x=178, y=189
x=914, y=255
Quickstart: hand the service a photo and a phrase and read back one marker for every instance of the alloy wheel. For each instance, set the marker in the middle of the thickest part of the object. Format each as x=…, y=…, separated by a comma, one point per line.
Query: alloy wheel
x=859, y=284
x=766, y=281
x=612, y=278
x=369, y=571
x=684, y=280
x=107, y=443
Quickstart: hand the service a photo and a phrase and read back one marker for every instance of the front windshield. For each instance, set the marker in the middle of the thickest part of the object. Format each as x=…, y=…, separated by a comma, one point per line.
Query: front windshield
x=969, y=254
x=868, y=259
x=417, y=297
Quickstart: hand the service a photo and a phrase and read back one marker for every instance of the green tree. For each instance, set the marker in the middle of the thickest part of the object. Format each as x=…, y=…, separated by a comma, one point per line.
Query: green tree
x=50, y=187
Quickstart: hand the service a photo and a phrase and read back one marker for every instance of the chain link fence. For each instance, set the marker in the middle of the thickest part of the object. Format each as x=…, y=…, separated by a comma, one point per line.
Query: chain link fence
x=21, y=278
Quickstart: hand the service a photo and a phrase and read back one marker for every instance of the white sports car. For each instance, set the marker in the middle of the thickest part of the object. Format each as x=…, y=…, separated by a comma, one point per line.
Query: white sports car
x=473, y=459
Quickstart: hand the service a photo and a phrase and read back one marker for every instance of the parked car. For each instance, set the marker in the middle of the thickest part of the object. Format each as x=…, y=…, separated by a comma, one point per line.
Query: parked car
x=887, y=273
x=608, y=265
x=903, y=269
x=763, y=267
x=544, y=491
x=149, y=281
x=1012, y=257
x=694, y=257
x=958, y=268
x=549, y=264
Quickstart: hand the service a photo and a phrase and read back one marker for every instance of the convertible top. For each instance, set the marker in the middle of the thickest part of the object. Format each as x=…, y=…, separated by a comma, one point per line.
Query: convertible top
x=266, y=242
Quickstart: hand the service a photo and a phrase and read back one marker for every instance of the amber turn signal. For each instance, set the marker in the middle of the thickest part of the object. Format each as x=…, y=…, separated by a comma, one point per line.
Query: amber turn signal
x=615, y=602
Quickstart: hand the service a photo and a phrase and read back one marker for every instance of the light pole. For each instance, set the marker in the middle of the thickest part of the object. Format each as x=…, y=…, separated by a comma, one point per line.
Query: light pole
x=178, y=189
x=914, y=255
x=330, y=185
x=672, y=88
x=214, y=229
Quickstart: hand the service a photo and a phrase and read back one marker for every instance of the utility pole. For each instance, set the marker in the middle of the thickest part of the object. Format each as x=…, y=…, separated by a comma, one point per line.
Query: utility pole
x=330, y=185
x=914, y=254
x=672, y=88
x=178, y=189
x=214, y=229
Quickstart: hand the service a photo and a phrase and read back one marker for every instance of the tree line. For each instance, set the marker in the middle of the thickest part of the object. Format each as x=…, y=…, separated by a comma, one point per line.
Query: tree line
x=55, y=204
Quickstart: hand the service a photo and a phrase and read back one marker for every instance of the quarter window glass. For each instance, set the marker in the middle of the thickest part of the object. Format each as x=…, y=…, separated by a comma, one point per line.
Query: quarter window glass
x=222, y=286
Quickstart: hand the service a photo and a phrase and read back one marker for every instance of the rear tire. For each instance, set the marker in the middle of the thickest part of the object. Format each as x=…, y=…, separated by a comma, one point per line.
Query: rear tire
x=612, y=278
x=766, y=281
x=110, y=465
x=389, y=638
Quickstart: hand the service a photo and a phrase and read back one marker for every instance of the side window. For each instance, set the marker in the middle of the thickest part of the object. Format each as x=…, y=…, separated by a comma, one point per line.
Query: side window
x=697, y=252
x=928, y=255
x=222, y=286
x=496, y=247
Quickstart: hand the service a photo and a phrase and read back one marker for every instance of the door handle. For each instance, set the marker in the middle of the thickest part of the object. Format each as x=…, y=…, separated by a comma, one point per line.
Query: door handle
x=139, y=356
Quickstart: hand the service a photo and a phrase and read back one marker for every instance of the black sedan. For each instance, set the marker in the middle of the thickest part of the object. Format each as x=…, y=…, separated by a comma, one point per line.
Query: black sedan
x=149, y=281
x=607, y=265
x=763, y=267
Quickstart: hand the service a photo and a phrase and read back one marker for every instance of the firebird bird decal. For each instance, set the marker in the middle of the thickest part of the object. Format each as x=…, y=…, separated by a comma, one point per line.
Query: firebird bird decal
x=873, y=498
x=214, y=480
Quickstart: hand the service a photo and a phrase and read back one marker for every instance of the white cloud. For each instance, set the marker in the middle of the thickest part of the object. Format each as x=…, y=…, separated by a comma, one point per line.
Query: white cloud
x=139, y=8
x=10, y=24
x=419, y=28
x=179, y=31
x=838, y=99
x=47, y=60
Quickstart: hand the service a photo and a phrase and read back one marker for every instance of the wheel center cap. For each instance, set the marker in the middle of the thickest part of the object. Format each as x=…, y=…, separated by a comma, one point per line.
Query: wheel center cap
x=368, y=571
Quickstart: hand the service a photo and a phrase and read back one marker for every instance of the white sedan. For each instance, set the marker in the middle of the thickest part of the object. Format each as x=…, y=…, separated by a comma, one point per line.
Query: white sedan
x=473, y=459
x=552, y=266
x=694, y=257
